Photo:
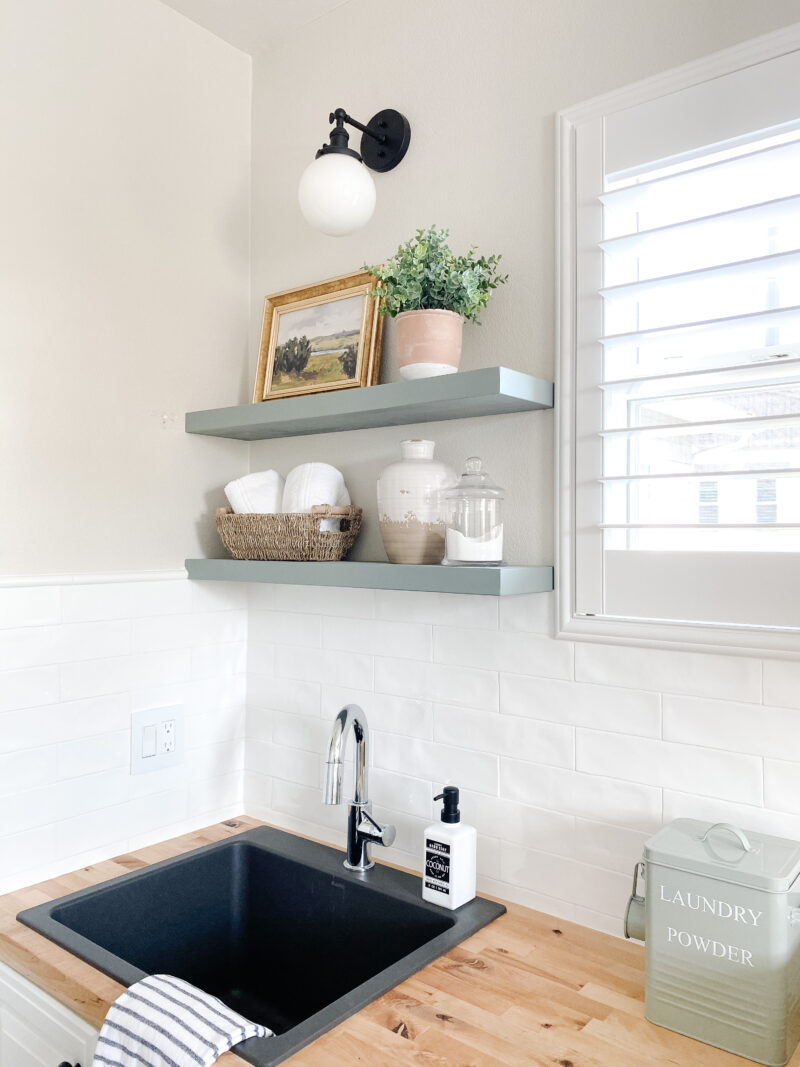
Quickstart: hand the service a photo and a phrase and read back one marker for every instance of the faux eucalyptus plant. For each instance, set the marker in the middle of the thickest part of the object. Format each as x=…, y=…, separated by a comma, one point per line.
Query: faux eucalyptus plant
x=426, y=274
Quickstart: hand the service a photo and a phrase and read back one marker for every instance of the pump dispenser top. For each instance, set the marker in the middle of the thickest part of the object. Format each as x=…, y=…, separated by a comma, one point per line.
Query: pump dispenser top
x=450, y=812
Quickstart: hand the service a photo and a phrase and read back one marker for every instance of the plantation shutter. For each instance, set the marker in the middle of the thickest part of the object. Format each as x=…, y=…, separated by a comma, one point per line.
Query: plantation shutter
x=688, y=403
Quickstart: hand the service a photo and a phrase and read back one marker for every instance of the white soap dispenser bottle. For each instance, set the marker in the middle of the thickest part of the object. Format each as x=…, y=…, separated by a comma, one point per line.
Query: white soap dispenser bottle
x=450, y=846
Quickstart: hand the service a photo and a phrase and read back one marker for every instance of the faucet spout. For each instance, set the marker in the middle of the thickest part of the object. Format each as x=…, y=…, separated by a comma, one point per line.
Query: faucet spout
x=362, y=829
x=353, y=716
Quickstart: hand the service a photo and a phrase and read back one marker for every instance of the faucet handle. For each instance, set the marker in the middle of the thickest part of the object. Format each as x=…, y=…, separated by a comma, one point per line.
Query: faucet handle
x=372, y=830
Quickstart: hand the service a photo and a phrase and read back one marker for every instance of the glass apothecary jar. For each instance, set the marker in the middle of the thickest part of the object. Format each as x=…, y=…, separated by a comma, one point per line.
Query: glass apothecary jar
x=473, y=511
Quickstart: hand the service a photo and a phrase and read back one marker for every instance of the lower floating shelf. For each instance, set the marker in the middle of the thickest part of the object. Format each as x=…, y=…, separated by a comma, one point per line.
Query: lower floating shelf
x=488, y=581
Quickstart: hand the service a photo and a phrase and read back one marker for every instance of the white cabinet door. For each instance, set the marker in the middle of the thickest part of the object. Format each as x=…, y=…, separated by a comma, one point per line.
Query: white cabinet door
x=37, y=1031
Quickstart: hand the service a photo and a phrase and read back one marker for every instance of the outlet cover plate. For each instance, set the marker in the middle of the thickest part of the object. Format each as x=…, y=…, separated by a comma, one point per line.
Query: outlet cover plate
x=157, y=718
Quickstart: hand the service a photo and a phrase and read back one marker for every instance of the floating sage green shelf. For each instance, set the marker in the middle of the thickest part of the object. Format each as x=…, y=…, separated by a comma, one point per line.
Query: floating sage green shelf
x=489, y=391
x=489, y=581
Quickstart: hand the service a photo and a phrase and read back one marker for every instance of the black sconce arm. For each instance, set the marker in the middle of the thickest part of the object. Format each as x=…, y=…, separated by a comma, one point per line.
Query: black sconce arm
x=389, y=135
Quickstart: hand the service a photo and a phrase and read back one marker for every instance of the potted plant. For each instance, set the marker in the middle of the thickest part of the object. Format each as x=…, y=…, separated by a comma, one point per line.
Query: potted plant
x=430, y=292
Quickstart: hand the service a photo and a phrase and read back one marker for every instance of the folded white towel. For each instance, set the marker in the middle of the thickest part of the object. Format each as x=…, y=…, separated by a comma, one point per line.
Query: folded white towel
x=313, y=483
x=260, y=493
x=166, y=1021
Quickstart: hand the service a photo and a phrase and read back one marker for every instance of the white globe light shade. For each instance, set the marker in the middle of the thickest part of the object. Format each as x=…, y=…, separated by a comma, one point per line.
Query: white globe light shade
x=336, y=194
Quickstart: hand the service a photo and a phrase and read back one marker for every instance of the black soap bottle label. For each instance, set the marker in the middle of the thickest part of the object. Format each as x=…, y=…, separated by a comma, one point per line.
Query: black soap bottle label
x=437, y=865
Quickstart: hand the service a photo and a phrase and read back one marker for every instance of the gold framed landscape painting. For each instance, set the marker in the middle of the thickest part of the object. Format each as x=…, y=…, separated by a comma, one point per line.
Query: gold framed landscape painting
x=319, y=339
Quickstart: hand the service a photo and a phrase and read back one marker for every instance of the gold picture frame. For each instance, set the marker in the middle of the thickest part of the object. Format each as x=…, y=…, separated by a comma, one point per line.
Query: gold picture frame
x=319, y=338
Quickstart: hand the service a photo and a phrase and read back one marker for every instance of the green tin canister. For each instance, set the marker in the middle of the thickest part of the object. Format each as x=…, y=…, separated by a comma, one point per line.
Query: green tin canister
x=720, y=918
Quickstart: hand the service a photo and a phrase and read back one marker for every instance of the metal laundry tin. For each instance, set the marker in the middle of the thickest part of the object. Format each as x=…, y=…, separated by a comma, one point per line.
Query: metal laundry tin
x=721, y=922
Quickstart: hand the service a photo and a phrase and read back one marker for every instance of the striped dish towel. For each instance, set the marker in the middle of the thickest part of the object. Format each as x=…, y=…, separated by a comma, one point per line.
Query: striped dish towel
x=165, y=1022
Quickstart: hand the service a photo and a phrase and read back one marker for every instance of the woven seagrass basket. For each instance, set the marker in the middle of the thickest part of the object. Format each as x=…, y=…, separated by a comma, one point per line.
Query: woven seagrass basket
x=295, y=537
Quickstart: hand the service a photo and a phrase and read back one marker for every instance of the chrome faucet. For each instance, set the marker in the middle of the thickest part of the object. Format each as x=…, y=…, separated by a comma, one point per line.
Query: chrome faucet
x=362, y=829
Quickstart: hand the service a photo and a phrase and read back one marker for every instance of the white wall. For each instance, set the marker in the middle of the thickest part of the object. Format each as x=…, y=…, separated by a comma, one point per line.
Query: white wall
x=124, y=249
x=569, y=755
x=480, y=83
x=124, y=252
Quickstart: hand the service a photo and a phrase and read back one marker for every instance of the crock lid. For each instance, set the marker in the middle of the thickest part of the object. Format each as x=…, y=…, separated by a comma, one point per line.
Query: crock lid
x=727, y=853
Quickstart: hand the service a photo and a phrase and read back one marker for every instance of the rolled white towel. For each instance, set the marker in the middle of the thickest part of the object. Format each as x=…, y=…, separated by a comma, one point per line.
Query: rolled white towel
x=315, y=483
x=311, y=484
x=260, y=493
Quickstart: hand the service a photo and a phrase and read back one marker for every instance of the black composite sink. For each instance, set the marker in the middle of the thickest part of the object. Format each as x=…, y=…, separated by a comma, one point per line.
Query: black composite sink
x=268, y=922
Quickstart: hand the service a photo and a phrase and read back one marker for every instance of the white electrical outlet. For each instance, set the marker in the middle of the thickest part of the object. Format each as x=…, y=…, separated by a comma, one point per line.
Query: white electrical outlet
x=156, y=739
x=167, y=736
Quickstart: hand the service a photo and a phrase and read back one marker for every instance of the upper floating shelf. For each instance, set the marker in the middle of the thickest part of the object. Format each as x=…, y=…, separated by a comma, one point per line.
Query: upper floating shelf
x=489, y=391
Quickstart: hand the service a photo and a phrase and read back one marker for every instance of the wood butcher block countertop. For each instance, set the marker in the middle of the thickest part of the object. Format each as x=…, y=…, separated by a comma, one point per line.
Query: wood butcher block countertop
x=527, y=989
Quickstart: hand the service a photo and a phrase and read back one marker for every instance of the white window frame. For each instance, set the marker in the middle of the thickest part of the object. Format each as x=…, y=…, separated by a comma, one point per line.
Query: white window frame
x=570, y=625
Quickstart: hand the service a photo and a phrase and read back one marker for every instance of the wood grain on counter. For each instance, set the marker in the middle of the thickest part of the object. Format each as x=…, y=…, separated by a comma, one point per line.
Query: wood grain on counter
x=525, y=990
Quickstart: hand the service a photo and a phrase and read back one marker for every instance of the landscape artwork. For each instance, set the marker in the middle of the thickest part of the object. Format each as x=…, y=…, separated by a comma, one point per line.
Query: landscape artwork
x=321, y=338
x=318, y=344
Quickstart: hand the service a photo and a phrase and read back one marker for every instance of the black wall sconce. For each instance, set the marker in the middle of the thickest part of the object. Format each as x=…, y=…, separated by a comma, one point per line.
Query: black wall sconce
x=336, y=191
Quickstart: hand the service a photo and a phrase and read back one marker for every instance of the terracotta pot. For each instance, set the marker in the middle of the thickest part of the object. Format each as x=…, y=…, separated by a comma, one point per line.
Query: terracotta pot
x=428, y=342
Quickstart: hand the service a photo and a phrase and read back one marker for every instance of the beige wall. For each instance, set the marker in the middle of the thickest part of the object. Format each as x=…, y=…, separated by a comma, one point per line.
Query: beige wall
x=124, y=244
x=480, y=83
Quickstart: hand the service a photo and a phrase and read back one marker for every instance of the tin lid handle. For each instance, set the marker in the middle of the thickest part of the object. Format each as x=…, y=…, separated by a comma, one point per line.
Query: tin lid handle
x=740, y=835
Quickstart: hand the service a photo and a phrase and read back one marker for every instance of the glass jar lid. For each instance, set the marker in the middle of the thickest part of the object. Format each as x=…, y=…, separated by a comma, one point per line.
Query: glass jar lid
x=474, y=482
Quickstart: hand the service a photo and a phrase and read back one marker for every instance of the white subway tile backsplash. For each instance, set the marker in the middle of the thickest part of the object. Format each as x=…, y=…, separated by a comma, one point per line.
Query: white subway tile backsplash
x=53, y=723
x=65, y=716
x=163, y=598
x=211, y=728
x=437, y=609
x=782, y=682
x=748, y=816
x=536, y=828
x=732, y=726
x=507, y=735
x=75, y=796
x=440, y=764
x=518, y=653
x=694, y=673
x=402, y=792
x=300, y=731
x=206, y=661
x=404, y=640
x=27, y=769
x=437, y=681
x=324, y=665
x=96, y=677
x=28, y=688
x=290, y=764
x=284, y=628
x=23, y=852
x=90, y=755
x=33, y=605
x=218, y=596
x=314, y=599
x=91, y=603
x=564, y=763
x=305, y=803
x=534, y=613
x=283, y=694
x=781, y=785
x=614, y=848
x=601, y=707
x=393, y=715
x=706, y=771
x=558, y=876
x=587, y=796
